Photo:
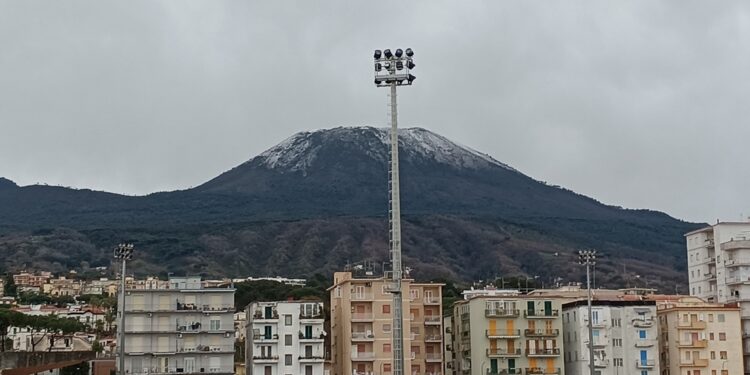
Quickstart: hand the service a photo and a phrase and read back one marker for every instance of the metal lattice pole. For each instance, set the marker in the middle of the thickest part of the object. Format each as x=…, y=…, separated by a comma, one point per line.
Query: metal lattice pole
x=588, y=258
x=123, y=252
x=392, y=70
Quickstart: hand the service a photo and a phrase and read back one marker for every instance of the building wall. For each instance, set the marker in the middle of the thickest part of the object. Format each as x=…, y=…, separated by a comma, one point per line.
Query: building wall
x=285, y=338
x=180, y=329
x=625, y=338
x=694, y=338
x=361, y=326
x=508, y=335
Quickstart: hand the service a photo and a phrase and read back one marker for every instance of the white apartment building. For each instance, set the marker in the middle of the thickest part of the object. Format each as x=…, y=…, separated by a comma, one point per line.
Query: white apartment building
x=625, y=336
x=285, y=338
x=719, y=269
x=179, y=327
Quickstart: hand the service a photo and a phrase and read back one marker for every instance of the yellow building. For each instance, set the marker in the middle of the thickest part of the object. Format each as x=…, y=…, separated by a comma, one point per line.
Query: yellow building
x=361, y=326
x=507, y=334
x=698, y=338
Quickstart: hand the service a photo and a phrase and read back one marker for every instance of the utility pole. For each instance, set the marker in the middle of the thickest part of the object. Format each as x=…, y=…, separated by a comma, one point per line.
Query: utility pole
x=392, y=70
x=123, y=252
x=588, y=258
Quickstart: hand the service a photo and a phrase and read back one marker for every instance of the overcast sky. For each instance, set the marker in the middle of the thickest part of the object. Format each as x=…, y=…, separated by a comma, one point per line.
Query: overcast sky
x=643, y=104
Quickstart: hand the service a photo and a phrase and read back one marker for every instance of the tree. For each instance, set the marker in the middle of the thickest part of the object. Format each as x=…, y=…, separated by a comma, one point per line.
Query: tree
x=9, y=287
x=45, y=324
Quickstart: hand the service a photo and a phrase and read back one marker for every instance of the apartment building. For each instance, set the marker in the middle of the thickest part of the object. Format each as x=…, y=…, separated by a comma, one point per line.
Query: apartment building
x=511, y=334
x=719, y=269
x=179, y=327
x=361, y=326
x=285, y=338
x=27, y=279
x=448, y=355
x=625, y=336
x=698, y=338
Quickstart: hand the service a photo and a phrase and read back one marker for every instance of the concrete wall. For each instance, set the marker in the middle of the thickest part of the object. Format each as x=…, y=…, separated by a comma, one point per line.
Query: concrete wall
x=21, y=363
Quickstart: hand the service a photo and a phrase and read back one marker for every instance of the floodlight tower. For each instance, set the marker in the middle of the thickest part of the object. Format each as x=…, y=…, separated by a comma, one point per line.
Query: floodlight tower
x=124, y=253
x=392, y=70
x=588, y=259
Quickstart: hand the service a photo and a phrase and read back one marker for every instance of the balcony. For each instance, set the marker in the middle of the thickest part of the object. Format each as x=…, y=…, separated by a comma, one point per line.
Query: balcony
x=265, y=359
x=432, y=320
x=736, y=280
x=311, y=359
x=260, y=317
x=550, y=352
x=737, y=262
x=691, y=325
x=306, y=317
x=433, y=338
x=643, y=322
x=355, y=372
x=363, y=356
x=501, y=313
x=542, y=371
x=432, y=301
x=645, y=363
x=644, y=343
x=503, y=353
x=693, y=344
x=598, y=342
x=433, y=357
x=303, y=338
x=537, y=314
x=503, y=333
x=695, y=362
x=188, y=307
x=261, y=339
x=736, y=245
x=601, y=362
x=505, y=371
x=541, y=332
x=363, y=336
x=362, y=317
x=362, y=297
x=207, y=349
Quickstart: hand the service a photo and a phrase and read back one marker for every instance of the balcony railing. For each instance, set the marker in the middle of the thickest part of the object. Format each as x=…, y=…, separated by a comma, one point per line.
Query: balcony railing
x=737, y=262
x=643, y=322
x=501, y=313
x=362, y=336
x=693, y=325
x=541, y=314
x=363, y=356
x=541, y=332
x=644, y=343
x=694, y=344
x=432, y=357
x=549, y=352
x=501, y=352
x=695, y=362
x=542, y=370
x=362, y=317
x=266, y=338
x=645, y=363
x=505, y=371
x=433, y=338
x=432, y=301
x=503, y=333
x=737, y=280
x=311, y=358
x=265, y=358
x=432, y=319
x=206, y=349
x=601, y=362
x=361, y=296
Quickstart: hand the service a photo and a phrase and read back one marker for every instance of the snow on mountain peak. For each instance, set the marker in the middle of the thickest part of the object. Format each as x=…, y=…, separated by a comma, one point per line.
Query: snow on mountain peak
x=299, y=151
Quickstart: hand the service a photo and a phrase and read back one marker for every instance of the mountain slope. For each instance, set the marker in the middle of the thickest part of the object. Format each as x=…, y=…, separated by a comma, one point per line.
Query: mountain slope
x=319, y=199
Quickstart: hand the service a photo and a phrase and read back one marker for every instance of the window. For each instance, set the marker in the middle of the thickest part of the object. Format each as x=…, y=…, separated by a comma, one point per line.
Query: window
x=287, y=320
x=644, y=372
x=386, y=348
x=414, y=293
x=711, y=336
x=215, y=324
x=387, y=328
x=267, y=370
x=713, y=354
x=386, y=309
x=617, y=342
x=722, y=355
x=722, y=336
x=710, y=318
x=288, y=340
x=386, y=367
x=308, y=370
x=288, y=359
x=642, y=334
x=617, y=362
x=720, y=318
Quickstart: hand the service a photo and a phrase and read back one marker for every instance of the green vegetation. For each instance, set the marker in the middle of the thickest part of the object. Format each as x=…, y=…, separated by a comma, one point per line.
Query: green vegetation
x=49, y=324
x=9, y=287
x=32, y=298
x=260, y=291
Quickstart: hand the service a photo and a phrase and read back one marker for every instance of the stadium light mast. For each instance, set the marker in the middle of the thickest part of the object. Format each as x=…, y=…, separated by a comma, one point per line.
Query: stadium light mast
x=588, y=259
x=124, y=253
x=392, y=69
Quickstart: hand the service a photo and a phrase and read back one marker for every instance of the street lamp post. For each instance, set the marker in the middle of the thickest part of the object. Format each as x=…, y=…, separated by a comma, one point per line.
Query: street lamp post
x=123, y=252
x=588, y=258
x=392, y=70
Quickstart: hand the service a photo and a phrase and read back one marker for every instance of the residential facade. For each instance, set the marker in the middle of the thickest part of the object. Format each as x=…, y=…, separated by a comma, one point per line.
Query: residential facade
x=719, y=269
x=179, y=327
x=512, y=334
x=361, y=326
x=699, y=338
x=285, y=338
x=624, y=336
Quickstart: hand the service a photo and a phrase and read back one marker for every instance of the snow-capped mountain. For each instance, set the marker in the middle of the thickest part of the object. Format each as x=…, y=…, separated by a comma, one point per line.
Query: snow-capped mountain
x=298, y=152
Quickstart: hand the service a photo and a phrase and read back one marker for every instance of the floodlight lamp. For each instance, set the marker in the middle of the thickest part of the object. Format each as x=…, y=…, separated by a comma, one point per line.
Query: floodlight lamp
x=387, y=65
x=399, y=52
x=388, y=53
x=411, y=78
x=377, y=81
x=378, y=67
x=399, y=65
x=410, y=64
x=377, y=54
x=409, y=52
